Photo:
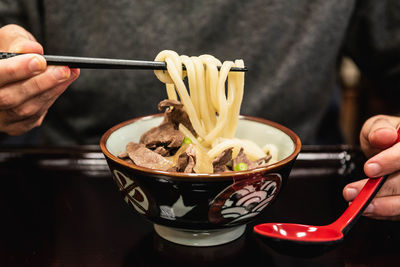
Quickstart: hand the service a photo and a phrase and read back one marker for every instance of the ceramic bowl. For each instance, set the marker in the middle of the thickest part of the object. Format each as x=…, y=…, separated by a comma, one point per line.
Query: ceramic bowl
x=201, y=209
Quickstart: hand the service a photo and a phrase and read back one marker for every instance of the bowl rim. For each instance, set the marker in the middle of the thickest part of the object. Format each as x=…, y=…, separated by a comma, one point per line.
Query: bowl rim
x=202, y=176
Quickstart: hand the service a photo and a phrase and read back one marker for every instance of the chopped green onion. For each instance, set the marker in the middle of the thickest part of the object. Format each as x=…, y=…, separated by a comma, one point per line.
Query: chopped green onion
x=241, y=166
x=187, y=140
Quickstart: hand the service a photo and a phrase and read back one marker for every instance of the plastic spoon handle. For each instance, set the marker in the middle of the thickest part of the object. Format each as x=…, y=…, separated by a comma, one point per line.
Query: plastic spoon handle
x=355, y=209
x=344, y=222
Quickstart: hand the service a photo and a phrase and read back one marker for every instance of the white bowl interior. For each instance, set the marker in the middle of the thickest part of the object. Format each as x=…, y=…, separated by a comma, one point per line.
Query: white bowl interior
x=259, y=133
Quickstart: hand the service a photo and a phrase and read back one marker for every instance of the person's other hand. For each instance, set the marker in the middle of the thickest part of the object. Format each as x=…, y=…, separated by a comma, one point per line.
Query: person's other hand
x=378, y=141
x=27, y=86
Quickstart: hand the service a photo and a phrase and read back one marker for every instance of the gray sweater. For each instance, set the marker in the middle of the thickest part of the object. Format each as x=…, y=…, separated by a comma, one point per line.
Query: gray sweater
x=291, y=48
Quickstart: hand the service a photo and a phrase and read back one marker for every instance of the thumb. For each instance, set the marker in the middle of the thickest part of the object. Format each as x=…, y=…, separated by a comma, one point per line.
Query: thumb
x=14, y=38
x=378, y=133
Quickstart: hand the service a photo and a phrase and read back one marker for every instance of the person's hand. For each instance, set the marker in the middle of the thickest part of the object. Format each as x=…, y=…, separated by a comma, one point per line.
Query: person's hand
x=27, y=86
x=378, y=141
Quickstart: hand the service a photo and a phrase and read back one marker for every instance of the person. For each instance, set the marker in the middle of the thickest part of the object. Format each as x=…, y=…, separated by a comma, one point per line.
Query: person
x=291, y=48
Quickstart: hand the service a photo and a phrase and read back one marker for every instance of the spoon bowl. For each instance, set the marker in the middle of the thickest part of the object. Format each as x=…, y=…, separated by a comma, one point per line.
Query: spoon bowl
x=308, y=240
x=326, y=234
x=300, y=232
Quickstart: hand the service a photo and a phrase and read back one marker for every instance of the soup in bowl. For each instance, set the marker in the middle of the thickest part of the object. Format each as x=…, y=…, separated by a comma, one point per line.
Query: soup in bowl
x=201, y=209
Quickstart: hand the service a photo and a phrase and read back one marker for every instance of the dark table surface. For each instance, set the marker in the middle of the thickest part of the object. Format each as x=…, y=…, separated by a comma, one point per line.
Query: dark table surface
x=60, y=207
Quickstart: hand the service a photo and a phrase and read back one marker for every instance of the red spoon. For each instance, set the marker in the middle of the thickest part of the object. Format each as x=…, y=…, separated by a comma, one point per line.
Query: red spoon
x=327, y=234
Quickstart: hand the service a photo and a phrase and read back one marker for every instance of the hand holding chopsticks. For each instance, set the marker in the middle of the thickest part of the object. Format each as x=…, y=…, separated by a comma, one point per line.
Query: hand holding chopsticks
x=102, y=63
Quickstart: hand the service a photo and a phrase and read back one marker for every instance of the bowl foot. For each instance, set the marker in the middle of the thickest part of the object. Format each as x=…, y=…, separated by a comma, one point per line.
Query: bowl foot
x=199, y=238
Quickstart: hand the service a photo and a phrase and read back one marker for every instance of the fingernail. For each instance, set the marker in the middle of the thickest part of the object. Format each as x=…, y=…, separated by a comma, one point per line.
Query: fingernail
x=35, y=65
x=60, y=73
x=373, y=169
x=74, y=74
x=369, y=209
x=351, y=193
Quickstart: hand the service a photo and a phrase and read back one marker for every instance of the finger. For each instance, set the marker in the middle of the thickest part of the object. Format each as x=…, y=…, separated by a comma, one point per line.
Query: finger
x=22, y=45
x=386, y=162
x=46, y=99
x=378, y=133
x=20, y=68
x=11, y=31
x=35, y=106
x=391, y=187
x=396, y=218
x=13, y=95
x=14, y=38
x=23, y=126
x=385, y=218
x=384, y=207
x=351, y=190
x=32, y=112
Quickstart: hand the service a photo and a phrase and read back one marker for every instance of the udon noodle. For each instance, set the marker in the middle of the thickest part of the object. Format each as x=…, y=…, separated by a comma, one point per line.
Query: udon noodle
x=213, y=114
x=212, y=105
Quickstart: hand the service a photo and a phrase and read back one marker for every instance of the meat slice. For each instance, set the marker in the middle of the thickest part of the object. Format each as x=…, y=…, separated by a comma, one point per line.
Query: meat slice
x=241, y=157
x=165, y=135
x=192, y=159
x=162, y=151
x=219, y=163
x=144, y=157
x=263, y=161
x=166, y=138
x=176, y=114
x=186, y=163
x=186, y=160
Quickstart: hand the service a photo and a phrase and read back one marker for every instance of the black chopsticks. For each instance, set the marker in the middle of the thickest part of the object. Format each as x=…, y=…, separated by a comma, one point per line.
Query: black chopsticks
x=103, y=63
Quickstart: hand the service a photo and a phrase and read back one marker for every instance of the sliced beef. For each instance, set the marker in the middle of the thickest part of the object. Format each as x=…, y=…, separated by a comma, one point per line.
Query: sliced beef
x=241, y=157
x=187, y=160
x=166, y=138
x=221, y=168
x=144, y=157
x=263, y=161
x=185, y=163
x=123, y=155
x=165, y=135
x=167, y=103
x=162, y=151
x=220, y=162
x=175, y=113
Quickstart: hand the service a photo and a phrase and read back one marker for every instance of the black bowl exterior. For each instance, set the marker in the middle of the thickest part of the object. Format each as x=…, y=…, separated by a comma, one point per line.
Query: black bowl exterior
x=200, y=201
x=193, y=203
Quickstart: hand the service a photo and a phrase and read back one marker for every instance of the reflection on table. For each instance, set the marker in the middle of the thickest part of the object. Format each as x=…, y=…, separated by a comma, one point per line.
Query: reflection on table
x=60, y=207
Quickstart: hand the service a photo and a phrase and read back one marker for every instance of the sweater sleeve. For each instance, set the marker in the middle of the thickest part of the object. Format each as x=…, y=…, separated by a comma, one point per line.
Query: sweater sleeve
x=373, y=42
